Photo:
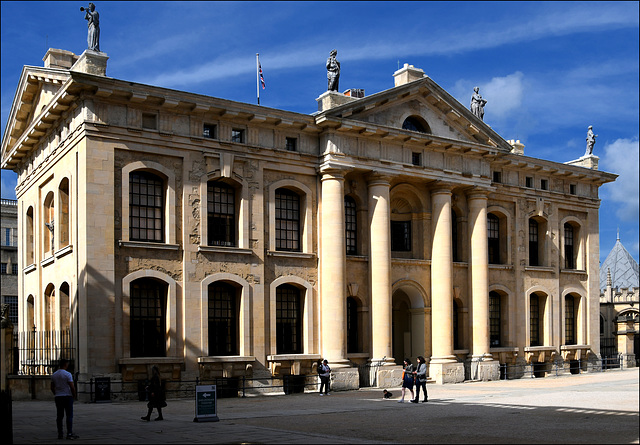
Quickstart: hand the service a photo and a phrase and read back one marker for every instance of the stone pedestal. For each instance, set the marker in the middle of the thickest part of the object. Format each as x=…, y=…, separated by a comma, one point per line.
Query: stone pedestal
x=91, y=62
x=586, y=161
x=344, y=379
x=331, y=99
x=483, y=370
x=447, y=372
x=389, y=376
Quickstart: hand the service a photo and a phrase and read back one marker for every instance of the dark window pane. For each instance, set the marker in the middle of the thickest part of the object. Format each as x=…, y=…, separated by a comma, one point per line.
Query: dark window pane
x=287, y=220
x=401, y=236
x=223, y=319
x=148, y=318
x=350, y=225
x=146, y=207
x=288, y=320
x=221, y=216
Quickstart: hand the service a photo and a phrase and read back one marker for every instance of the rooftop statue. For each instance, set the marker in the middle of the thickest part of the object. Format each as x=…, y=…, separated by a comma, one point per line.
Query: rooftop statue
x=333, y=71
x=477, y=103
x=93, y=35
x=591, y=141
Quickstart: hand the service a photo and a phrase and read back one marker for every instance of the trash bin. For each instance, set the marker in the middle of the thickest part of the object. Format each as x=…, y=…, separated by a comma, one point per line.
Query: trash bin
x=574, y=366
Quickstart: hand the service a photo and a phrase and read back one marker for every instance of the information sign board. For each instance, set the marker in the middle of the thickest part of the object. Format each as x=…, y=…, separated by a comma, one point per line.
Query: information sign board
x=206, y=404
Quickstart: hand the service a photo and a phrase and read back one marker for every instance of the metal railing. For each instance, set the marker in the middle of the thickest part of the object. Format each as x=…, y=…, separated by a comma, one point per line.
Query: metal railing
x=225, y=386
x=39, y=352
x=579, y=366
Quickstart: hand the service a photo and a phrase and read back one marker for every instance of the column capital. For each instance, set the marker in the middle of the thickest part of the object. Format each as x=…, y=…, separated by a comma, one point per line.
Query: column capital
x=377, y=178
x=329, y=172
x=442, y=187
x=478, y=193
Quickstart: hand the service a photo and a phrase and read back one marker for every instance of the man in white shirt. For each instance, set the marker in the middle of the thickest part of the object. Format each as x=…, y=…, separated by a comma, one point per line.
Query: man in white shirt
x=64, y=391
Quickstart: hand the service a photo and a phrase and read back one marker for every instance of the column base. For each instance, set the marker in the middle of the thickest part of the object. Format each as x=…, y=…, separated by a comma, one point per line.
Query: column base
x=481, y=369
x=446, y=372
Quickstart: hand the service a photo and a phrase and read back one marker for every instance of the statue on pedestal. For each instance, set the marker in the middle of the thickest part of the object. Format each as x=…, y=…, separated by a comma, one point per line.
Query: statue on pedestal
x=333, y=71
x=93, y=35
x=50, y=226
x=477, y=103
x=591, y=141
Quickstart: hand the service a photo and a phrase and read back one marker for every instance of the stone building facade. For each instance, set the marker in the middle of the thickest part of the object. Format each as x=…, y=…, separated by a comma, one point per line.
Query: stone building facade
x=218, y=238
x=9, y=256
x=619, y=306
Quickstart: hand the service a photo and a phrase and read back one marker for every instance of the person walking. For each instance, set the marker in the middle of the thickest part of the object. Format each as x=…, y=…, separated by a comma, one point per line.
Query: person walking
x=420, y=375
x=407, y=379
x=64, y=392
x=156, y=395
x=325, y=378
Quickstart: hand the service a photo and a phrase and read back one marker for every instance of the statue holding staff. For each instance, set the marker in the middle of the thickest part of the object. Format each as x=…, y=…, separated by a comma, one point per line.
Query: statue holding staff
x=477, y=103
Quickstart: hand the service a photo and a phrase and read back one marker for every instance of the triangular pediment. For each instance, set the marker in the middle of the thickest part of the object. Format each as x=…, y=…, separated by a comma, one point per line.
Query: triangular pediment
x=36, y=89
x=427, y=103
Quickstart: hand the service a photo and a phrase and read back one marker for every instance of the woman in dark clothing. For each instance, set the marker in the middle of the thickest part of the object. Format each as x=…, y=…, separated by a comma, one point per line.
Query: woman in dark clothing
x=407, y=379
x=420, y=374
x=156, y=395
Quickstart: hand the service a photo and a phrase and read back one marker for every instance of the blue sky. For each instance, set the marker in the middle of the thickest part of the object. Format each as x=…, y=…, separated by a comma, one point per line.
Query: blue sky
x=547, y=69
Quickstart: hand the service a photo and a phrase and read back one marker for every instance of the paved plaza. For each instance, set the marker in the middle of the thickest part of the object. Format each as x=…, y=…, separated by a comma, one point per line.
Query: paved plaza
x=586, y=408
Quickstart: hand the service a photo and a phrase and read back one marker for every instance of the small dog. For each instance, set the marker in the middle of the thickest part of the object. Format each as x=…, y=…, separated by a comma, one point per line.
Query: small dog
x=386, y=394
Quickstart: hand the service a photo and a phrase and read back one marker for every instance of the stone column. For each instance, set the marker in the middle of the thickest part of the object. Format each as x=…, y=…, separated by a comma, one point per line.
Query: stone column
x=380, y=267
x=479, y=279
x=333, y=267
x=443, y=365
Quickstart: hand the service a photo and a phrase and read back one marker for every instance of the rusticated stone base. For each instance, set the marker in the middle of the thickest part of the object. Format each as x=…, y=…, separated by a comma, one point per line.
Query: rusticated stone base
x=447, y=372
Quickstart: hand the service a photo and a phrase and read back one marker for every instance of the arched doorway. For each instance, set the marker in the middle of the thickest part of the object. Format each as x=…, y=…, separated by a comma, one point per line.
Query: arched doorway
x=410, y=329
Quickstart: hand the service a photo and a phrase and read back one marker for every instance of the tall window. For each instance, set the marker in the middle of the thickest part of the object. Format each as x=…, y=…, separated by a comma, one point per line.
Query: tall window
x=401, y=236
x=533, y=243
x=48, y=227
x=352, y=325
x=493, y=228
x=494, y=319
x=63, y=212
x=7, y=236
x=454, y=236
x=534, y=320
x=287, y=220
x=12, y=301
x=569, y=253
x=288, y=320
x=350, y=225
x=29, y=241
x=221, y=214
x=146, y=207
x=148, y=318
x=223, y=319
x=569, y=320
x=456, y=326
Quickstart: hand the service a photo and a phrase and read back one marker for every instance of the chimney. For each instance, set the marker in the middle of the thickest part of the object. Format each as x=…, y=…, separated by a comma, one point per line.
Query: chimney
x=408, y=73
x=59, y=58
x=517, y=147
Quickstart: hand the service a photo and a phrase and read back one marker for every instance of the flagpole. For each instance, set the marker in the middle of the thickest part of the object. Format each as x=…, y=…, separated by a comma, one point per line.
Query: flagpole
x=258, y=76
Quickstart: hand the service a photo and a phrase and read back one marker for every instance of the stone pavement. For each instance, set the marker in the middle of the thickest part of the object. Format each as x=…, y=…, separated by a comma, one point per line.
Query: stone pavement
x=586, y=408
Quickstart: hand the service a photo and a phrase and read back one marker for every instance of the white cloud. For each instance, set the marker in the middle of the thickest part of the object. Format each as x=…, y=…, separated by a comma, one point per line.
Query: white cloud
x=623, y=157
x=505, y=92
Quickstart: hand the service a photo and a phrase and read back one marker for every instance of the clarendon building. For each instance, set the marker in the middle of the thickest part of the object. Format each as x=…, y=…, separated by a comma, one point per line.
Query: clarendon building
x=222, y=239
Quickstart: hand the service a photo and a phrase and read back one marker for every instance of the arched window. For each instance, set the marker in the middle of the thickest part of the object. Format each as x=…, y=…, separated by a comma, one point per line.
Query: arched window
x=416, y=123
x=146, y=207
x=495, y=319
x=63, y=212
x=352, y=325
x=288, y=320
x=31, y=321
x=222, y=220
x=493, y=228
x=148, y=318
x=454, y=236
x=287, y=220
x=65, y=316
x=50, y=308
x=536, y=304
x=533, y=243
x=223, y=319
x=48, y=240
x=569, y=320
x=569, y=250
x=350, y=225
x=456, y=325
x=29, y=241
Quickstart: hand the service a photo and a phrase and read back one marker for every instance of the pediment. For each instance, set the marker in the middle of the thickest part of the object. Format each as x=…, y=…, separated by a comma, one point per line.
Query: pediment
x=423, y=101
x=36, y=90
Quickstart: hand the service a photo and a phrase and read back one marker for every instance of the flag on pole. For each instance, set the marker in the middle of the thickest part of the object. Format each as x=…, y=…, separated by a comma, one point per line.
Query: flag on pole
x=261, y=76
